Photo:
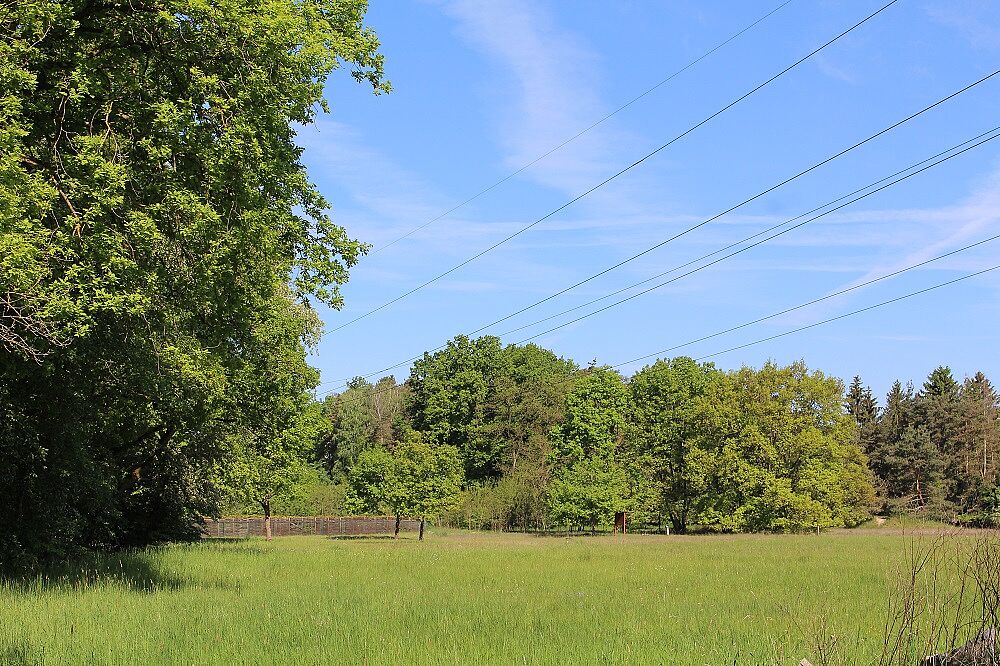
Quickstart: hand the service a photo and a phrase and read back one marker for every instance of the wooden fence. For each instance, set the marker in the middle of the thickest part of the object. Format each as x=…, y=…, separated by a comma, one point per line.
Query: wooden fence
x=297, y=525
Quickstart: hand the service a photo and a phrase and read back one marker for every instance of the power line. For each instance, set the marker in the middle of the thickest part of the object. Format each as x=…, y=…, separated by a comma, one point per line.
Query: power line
x=741, y=204
x=583, y=131
x=850, y=314
x=753, y=245
x=812, y=302
x=612, y=177
x=989, y=136
x=748, y=238
x=725, y=212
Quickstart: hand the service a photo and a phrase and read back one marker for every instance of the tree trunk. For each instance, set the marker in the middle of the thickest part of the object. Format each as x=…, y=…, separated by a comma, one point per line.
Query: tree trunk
x=421, y=528
x=266, y=504
x=679, y=523
x=986, y=434
x=395, y=535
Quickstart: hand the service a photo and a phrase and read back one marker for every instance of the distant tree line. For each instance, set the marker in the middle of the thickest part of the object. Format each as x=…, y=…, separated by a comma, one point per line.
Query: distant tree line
x=543, y=443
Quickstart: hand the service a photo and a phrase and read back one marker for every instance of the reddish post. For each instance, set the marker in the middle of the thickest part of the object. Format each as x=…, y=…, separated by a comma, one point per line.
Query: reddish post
x=621, y=521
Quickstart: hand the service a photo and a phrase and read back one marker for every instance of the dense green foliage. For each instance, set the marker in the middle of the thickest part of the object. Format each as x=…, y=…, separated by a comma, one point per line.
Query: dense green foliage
x=414, y=478
x=676, y=425
x=682, y=444
x=161, y=246
x=589, y=483
x=310, y=492
x=160, y=243
x=495, y=404
x=934, y=451
x=678, y=445
x=363, y=415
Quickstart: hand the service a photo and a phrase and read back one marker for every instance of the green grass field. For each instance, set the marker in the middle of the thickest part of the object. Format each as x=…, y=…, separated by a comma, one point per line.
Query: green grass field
x=465, y=598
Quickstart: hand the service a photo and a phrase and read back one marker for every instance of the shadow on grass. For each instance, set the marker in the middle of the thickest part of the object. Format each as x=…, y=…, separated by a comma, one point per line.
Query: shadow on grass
x=240, y=545
x=134, y=570
x=16, y=653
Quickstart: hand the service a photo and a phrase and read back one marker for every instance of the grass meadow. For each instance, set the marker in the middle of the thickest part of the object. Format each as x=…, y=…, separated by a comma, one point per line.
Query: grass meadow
x=467, y=598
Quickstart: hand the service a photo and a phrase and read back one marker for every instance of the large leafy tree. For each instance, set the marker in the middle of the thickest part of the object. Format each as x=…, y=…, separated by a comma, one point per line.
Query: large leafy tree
x=789, y=459
x=674, y=433
x=453, y=392
x=155, y=218
x=589, y=482
x=495, y=404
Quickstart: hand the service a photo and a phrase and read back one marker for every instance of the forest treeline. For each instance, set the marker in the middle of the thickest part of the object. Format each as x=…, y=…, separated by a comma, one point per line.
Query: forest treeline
x=539, y=442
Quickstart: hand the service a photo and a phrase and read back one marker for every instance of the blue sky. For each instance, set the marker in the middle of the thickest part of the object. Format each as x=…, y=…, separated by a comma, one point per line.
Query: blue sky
x=483, y=87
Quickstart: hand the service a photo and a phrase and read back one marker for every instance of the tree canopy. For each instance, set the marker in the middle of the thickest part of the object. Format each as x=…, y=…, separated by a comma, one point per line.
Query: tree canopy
x=160, y=245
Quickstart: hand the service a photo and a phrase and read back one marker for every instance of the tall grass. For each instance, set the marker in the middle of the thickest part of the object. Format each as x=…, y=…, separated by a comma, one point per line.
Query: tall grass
x=461, y=598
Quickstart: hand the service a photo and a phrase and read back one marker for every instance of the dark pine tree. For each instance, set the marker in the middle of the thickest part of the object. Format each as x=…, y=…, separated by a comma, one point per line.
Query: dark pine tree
x=939, y=411
x=861, y=404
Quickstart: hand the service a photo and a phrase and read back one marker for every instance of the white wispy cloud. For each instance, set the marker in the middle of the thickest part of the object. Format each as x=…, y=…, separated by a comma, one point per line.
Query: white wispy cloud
x=977, y=20
x=385, y=199
x=827, y=66
x=552, y=92
x=955, y=226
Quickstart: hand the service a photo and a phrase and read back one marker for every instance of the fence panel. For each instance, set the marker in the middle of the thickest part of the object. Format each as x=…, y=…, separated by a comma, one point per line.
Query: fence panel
x=242, y=527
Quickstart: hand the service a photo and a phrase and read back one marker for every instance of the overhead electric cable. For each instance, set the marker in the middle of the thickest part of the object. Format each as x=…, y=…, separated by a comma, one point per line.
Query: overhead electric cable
x=614, y=176
x=583, y=131
x=990, y=136
x=753, y=245
x=729, y=210
x=819, y=300
x=850, y=314
x=812, y=302
x=743, y=240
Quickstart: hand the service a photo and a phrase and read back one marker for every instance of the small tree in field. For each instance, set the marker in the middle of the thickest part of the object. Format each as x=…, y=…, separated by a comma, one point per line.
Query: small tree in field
x=259, y=468
x=256, y=477
x=414, y=478
x=373, y=484
x=430, y=476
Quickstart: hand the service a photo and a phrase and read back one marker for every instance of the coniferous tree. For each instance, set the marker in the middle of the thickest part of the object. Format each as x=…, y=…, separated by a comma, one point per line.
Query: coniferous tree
x=893, y=420
x=904, y=456
x=862, y=405
x=935, y=450
x=980, y=434
x=980, y=429
x=939, y=411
